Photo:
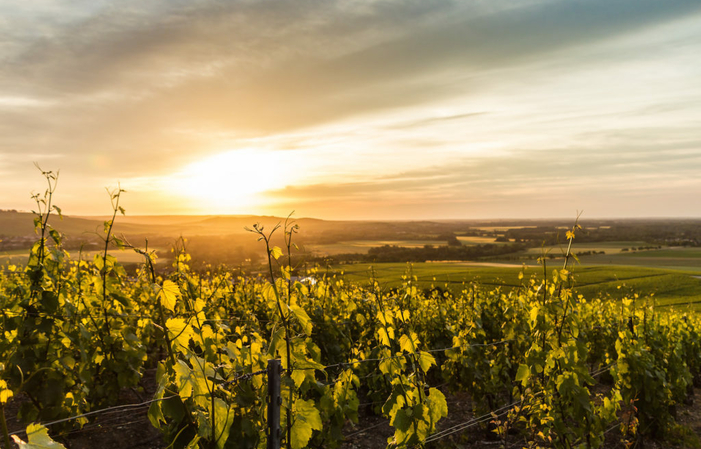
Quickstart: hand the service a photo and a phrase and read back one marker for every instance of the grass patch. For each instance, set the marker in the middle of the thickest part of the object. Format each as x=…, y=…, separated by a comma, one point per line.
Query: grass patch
x=667, y=287
x=473, y=241
x=608, y=247
x=362, y=246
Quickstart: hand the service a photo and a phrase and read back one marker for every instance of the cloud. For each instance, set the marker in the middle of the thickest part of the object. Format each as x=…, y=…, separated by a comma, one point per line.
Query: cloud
x=283, y=54
x=135, y=90
x=547, y=182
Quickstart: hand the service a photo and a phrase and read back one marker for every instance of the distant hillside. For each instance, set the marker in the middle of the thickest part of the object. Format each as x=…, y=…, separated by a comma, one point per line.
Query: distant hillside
x=225, y=239
x=20, y=224
x=310, y=228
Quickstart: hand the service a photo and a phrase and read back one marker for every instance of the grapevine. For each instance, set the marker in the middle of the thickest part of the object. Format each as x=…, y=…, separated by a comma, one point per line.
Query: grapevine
x=77, y=332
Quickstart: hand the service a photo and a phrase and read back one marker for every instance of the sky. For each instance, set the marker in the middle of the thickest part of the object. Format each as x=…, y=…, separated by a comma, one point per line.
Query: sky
x=364, y=109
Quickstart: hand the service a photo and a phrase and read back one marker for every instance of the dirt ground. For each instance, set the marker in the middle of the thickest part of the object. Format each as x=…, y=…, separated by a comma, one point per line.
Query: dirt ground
x=372, y=432
x=130, y=428
x=119, y=429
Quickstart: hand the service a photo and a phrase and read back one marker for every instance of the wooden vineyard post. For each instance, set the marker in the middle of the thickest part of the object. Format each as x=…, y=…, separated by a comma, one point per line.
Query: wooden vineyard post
x=274, y=402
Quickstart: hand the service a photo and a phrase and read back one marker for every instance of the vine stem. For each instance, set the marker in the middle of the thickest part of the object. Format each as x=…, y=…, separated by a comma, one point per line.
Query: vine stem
x=49, y=193
x=288, y=243
x=103, y=272
x=285, y=323
x=568, y=256
x=3, y=423
x=161, y=313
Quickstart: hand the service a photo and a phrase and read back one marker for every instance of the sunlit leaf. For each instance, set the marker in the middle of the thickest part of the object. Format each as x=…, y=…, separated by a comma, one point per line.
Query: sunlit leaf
x=275, y=252
x=437, y=405
x=303, y=318
x=37, y=438
x=179, y=331
x=169, y=294
x=426, y=361
x=307, y=419
x=523, y=374
x=223, y=418
x=5, y=393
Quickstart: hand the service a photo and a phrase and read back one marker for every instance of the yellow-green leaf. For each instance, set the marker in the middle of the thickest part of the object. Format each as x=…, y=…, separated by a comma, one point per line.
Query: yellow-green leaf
x=276, y=252
x=37, y=438
x=223, y=419
x=307, y=419
x=534, y=314
x=169, y=294
x=303, y=318
x=298, y=377
x=179, y=331
x=383, y=336
x=426, y=360
x=523, y=374
x=5, y=393
x=405, y=344
x=437, y=405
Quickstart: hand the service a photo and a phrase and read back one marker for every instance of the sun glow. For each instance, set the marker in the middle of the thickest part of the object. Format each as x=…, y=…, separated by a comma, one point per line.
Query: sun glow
x=234, y=181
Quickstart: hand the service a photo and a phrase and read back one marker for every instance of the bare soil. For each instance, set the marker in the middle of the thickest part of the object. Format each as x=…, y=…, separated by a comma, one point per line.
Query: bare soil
x=130, y=428
x=373, y=432
x=114, y=429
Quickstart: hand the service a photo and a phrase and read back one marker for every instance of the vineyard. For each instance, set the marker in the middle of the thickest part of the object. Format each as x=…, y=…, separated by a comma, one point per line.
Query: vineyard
x=543, y=367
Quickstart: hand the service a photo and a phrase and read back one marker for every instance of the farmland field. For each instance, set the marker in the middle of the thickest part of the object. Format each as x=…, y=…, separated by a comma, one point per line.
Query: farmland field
x=668, y=287
x=608, y=247
x=500, y=228
x=676, y=258
x=474, y=240
x=362, y=246
x=14, y=257
x=19, y=257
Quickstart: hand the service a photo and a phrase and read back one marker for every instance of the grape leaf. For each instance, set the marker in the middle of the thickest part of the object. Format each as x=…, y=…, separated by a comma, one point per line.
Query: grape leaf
x=307, y=419
x=37, y=438
x=168, y=295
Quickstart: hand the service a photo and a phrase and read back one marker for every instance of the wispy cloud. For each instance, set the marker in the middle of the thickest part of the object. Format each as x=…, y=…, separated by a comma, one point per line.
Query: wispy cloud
x=547, y=182
x=387, y=100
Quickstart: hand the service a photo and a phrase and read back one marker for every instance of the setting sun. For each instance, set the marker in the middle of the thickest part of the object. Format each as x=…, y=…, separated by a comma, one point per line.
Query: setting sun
x=234, y=180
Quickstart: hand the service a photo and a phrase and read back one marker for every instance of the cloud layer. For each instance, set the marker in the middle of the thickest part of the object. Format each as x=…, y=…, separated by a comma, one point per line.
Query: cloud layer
x=403, y=109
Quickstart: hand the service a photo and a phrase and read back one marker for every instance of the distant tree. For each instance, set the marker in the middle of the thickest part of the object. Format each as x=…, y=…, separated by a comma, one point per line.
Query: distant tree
x=450, y=238
x=453, y=241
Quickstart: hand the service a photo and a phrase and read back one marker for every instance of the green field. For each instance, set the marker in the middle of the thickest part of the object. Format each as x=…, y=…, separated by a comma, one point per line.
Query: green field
x=14, y=257
x=666, y=287
x=501, y=228
x=618, y=253
x=678, y=252
x=125, y=256
x=672, y=258
x=675, y=258
x=473, y=240
x=20, y=256
x=362, y=246
x=608, y=247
